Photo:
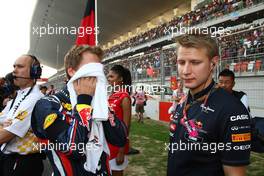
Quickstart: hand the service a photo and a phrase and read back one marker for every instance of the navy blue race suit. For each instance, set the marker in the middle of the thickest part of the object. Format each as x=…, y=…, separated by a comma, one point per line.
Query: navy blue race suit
x=208, y=130
x=65, y=131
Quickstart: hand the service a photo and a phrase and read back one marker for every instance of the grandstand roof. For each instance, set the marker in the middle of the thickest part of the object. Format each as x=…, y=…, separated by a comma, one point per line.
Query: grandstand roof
x=115, y=17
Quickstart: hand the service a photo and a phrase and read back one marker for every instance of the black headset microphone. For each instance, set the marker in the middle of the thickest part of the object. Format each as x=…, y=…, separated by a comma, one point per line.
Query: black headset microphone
x=14, y=77
x=35, y=69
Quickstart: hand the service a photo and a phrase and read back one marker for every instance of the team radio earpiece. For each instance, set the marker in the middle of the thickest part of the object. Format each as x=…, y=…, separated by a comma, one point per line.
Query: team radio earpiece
x=213, y=65
x=35, y=69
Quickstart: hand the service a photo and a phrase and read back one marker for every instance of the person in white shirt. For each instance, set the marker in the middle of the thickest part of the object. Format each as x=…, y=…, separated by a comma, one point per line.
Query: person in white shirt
x=19, y=156
x=227, y=82
x=141, y=99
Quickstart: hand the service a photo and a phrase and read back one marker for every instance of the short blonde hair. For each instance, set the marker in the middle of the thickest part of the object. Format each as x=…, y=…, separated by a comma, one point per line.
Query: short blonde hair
x=198, y=40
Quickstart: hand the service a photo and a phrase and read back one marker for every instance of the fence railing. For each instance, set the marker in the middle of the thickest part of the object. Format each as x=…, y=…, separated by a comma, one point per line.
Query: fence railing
x=249, y=63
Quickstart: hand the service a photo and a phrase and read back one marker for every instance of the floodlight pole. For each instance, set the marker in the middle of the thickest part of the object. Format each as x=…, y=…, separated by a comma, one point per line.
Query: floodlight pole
x=96, y=30
x=162, y=74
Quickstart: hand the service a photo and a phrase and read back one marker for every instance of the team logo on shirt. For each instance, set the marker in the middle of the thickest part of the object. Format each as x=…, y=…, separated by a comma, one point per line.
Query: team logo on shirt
x=49, y=120
x=235, y=128
x=193, y=128
x=85, y=112
x=242, y=147
x=21, y=115
x=243, y=137
x=67, y=106
x=206, y=109
x=1, y=113
x=239, y=117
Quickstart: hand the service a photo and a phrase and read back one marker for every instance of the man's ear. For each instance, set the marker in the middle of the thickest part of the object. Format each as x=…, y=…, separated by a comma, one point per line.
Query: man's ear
x=70, y=71
x=233, y=84
x=215, y=60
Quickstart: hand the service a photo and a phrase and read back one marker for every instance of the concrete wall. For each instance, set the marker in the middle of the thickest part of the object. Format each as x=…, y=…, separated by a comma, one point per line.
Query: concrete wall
x=151, y=109
x=254, y=88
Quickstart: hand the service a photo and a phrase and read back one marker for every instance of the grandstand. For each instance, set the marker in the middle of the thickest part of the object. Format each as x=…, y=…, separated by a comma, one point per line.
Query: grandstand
x=151, y=57
x=242, y=49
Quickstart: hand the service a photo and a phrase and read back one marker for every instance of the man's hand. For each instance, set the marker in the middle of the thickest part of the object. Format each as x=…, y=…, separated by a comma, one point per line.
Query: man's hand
x=2, y=81
x=85, y=85
x=234, y=170
x=120, y=156
x=7, y=123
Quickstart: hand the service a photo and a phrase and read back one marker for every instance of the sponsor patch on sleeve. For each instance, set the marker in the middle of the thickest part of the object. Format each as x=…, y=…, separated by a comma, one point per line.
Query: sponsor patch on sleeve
x=67, y=106
x=243, y=137
x=49, y=120
x=84, y=113
x=21, y=115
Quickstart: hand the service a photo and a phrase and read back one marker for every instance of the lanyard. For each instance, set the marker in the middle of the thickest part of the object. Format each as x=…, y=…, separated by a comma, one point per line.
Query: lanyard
x=17, y=106
x=184, y=119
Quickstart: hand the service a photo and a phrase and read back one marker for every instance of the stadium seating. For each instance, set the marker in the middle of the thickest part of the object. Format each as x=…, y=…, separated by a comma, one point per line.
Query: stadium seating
x=208, y=12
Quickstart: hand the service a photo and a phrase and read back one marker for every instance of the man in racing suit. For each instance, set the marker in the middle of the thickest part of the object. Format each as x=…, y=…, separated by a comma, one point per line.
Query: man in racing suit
x=210, y=132
x=63, y=130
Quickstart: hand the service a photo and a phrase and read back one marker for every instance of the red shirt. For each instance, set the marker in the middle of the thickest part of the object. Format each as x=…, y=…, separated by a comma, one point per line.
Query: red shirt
x=115, y=101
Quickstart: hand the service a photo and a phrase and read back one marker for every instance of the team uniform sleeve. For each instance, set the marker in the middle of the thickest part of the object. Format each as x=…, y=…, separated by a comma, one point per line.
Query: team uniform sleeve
x=49, y=123
x=244, y=100
x=235, y=134
x=115, y=130
x=21, y=119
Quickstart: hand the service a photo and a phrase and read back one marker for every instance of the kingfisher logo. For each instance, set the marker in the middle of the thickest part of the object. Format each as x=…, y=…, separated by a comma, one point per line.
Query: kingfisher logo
x=239, y=117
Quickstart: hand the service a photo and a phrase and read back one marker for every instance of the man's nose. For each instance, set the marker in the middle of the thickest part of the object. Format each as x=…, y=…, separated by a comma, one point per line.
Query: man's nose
x=187, y=69
x=15, y=70
x=223, y=85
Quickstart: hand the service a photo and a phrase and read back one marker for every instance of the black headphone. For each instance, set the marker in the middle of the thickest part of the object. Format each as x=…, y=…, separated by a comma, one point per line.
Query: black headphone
x=212, y=65
x=35, y=69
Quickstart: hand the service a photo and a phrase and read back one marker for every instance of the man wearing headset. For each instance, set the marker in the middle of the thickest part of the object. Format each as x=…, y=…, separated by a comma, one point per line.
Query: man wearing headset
x=18, y=156
x=210, y=131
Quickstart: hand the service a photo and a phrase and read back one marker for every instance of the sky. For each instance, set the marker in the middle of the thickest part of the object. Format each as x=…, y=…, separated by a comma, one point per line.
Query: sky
x=15, y=18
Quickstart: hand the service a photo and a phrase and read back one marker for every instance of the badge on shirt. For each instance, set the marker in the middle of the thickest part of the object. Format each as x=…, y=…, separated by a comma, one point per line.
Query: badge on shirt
x=21, y=115
x=49, y=120
x=67, y=106
x=243, y=137
x=84, y=113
